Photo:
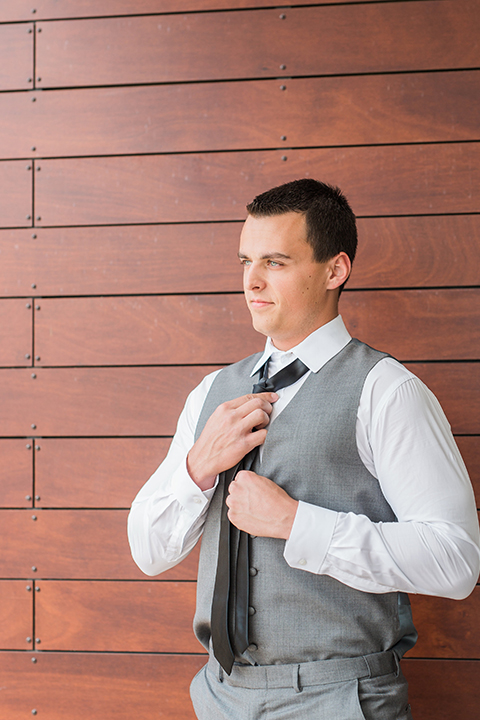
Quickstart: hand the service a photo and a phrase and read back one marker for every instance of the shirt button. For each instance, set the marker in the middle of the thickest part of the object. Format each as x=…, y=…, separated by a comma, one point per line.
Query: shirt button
x=251, y=610
x=253, y=571
x=252, y=647
x=302, y=561
x=197, y=500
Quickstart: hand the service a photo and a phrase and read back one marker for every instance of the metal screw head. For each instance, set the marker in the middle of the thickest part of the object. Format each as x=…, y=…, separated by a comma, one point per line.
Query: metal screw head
x=34, y=10
x=282, y=16
x=34, y=517
x=283, y=87
x=37, y=589
x=38, y=217
x=283, y=67
x=34, y=236
x=34, y=569
x=284, y=137
x=33, y=286
x=34, y=376
x=39, y=79
x=29, y=639
x=28, y=217
x=34, y=660
x=37, y=307
x=28, y=588
x=34, y=712
x=33, y=149
x=37, y=447
x=29, y=167
x=38, y=641
x=38, y=168
x=284, y=157
x=33, y=426
x=27, y=356
x=30, y=79
x=37, y=357
x=34, y=99
x=29, y=30
x=37, y=497
x=39, y=29
x=28, y=306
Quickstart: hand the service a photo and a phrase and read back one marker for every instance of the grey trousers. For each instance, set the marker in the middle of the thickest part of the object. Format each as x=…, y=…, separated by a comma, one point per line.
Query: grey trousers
x=371, y=687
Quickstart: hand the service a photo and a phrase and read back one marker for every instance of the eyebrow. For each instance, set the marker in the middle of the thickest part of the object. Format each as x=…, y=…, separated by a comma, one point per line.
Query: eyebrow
x=267, y=256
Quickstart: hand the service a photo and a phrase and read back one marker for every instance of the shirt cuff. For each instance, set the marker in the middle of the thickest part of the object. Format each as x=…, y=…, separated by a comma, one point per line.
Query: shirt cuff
x=188, y=494
x=310, y=537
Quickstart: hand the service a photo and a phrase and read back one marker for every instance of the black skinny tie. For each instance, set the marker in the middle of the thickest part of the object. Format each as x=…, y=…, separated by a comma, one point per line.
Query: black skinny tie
x=229, y=622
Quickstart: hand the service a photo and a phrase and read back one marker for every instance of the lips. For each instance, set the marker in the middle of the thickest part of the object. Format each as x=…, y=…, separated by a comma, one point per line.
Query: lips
x=258, y=304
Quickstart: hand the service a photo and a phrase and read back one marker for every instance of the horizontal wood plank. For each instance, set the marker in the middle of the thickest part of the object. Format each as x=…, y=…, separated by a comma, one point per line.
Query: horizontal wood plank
x=381, y=37
x=16, y=473
x=15, y=333
x=428, y=324
x=95, y=402
x=16, y=615
x=139, y=330
x=91, y=402
x=446, y=628
x=385, y=180
x=97, y=686
x=393, y=252
x=469, y=447
x=417, y=252
x=116, y=617
x=457, y=387
x=93, y=545
x=423, y=107
x=439, y=687
x=15, y=193
x=94, y=472
x=121, y=260
x=16, y=57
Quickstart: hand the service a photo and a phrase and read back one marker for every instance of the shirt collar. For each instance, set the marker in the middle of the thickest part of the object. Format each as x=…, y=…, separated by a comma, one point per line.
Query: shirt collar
x=317, y=349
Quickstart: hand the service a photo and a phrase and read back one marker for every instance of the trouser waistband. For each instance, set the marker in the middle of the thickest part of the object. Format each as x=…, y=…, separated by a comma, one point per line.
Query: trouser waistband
x=298, y=675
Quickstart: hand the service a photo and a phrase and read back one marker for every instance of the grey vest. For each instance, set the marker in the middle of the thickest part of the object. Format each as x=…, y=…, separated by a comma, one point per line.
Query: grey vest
x=311, y=452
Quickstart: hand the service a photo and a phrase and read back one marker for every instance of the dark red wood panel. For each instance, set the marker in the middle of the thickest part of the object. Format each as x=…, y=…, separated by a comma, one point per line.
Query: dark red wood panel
x=147, y=401
x=381, y=37
x=443, y=689
x=470, y=449
x=385, y=180
x=123, y=260
x=16, y=57
x=95, y=401
x=416, y=324
x=446, y=628
x=94, y=472
x=393, y=252
x=97, y=686
x=16, y=615
x=85, y=544
x=144, y=330
x=422, y=107
x=15, y=332
x=457, y=386
x=15, y=193
x=417, y=252
x=16, y=473
x=116, y=617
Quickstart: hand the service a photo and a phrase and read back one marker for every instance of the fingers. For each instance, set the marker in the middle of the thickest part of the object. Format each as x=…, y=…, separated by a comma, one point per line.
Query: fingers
x=246, y=400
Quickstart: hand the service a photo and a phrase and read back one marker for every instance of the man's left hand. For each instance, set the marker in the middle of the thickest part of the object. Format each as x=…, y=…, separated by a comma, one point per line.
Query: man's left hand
x=260, y=507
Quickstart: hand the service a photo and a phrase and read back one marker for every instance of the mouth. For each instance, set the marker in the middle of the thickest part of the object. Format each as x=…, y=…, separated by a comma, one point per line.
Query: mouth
x=259, y=304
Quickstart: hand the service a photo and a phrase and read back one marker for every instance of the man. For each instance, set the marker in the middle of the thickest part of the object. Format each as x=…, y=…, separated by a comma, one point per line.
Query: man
x=355, y=495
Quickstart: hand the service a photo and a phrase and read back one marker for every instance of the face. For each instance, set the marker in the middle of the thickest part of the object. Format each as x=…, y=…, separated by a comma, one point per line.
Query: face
x=288, y=293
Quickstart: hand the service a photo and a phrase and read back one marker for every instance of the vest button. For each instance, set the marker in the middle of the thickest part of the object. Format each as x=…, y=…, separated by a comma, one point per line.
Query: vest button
x=251, y=610
x=253, y=571
x=252, y=647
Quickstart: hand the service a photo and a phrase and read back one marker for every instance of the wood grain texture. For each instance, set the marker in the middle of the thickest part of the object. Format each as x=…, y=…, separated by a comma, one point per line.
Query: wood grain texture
x=446, y=628
x=417, y=252
x=16, y=615
x=97, y=686
x=143, y=330
x=421, y=107
x=16, y=473
x=99, y=402
x=382, y=37
x=469, y=447
x=75, y=544
x=16, y=57
x=15, y=193
x=15, y=333
x=416, y=324
x=95, y=402
x=438, y=688
x=457, y=387
x=393, y=252
x=116, y=617
x=384, y=180
x=95, y=472
x=121, y=260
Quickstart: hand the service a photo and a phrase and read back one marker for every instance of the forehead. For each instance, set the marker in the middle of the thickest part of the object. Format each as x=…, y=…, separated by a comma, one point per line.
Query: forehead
x=286, y=234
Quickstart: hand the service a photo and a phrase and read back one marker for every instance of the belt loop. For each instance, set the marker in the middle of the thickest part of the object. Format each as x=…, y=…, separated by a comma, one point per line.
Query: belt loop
x=296, y=679
x=369, y=667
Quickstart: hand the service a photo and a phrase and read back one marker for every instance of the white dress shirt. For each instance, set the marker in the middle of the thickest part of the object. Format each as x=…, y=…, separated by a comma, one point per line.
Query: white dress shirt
x=403, y=439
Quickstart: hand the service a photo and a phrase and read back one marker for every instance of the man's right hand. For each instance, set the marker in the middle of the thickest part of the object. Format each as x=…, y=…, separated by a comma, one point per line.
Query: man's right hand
x=236, y=427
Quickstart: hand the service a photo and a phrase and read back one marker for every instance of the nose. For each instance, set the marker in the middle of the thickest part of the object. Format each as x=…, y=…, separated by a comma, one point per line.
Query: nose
x=253, y=277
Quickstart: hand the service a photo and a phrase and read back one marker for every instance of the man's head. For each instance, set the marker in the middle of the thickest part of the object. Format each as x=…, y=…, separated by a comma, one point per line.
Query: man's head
x=296, y=259
x=329, y=219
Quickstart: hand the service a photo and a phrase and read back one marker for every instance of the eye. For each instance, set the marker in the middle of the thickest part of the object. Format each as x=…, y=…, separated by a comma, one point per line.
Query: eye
x=245, y=261
x=274, y=264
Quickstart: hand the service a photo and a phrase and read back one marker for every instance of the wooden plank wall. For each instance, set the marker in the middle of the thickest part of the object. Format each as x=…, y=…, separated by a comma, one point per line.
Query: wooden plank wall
x=133, y=134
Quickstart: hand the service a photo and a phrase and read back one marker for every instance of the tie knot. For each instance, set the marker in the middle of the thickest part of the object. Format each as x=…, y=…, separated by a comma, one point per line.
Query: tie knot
x=287, y=376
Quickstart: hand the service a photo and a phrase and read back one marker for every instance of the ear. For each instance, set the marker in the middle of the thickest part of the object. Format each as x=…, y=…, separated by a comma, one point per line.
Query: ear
x=340, y=267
